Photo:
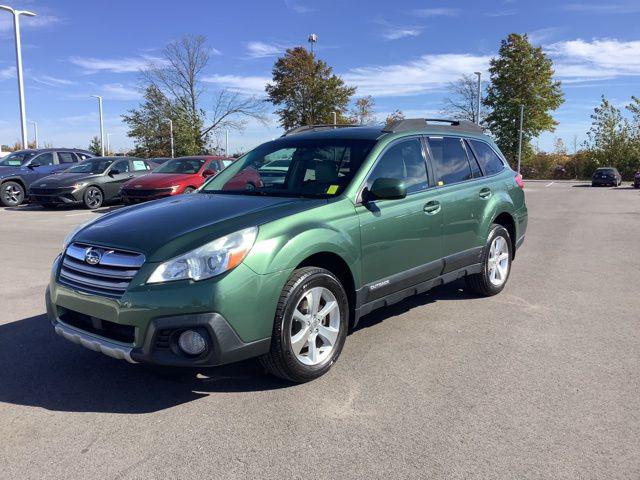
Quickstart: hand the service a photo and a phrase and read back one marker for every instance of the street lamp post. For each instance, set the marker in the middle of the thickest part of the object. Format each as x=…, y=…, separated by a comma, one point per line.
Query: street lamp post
x=226, y=142
x=16, y=27
x=35, y=132
x=101, y=124
x=520, y=136
x=108, y=144
x=171, y=136
x=478, y=99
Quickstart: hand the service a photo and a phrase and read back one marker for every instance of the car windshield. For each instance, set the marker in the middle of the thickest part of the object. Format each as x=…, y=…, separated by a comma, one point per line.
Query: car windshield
x=181, y=165
x=95, y=165
x=16, y=159
x=294, y=167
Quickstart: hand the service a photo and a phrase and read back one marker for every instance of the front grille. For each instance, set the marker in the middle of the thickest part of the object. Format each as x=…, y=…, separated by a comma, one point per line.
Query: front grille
x=145, y=193
x=97, y=326
x=110, y=277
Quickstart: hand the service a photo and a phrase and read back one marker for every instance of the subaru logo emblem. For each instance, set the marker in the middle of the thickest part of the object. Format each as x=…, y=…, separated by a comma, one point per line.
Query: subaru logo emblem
x=92, y=257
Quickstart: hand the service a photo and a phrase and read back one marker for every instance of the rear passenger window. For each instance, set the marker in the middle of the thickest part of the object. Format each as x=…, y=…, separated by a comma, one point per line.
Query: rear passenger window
x=475, y=167
x=449, y=160
x=66, y=157
x=404, y=161
x=139, y=165
x=488, y=159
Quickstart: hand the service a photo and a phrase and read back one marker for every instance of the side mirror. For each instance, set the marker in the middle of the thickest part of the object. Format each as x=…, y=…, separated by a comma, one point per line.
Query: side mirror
x=208, y=173
x=114, y=172
x=387, y=189
x=33, y=165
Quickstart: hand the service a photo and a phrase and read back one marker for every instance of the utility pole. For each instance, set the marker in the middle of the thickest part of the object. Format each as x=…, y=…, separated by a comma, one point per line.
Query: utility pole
x=171, y=137
x=108, y=144
x=478, y=99
x=313, y=39
x=226, y=142
x=520, y=137
x=101, y=124
x=16, y=27
x=35, y=131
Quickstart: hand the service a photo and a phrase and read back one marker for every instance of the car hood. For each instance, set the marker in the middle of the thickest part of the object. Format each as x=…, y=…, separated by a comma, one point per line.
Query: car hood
x=158, y=180
x=169, y=227
x=64, y=179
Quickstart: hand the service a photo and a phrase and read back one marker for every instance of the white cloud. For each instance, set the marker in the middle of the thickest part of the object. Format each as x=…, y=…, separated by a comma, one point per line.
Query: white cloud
x=250, y=85
x=6, y=22
x=501, y=13
x=436, y=12
x=542, y=34
x=115, y=65
x=6, y=73
x=119, y=91
x=298, y=6
x=427, y=73
x=580, y=60
x=263, y=50
x=52, y=81
x=604, y=7
x=395, y=33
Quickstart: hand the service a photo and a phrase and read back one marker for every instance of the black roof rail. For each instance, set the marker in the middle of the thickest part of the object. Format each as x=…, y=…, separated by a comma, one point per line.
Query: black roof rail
x=421, y=123
x=321, y=126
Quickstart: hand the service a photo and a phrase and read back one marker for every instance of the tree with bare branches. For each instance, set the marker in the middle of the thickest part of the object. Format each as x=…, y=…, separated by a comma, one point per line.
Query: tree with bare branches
x=178, y=77
x=463, y=100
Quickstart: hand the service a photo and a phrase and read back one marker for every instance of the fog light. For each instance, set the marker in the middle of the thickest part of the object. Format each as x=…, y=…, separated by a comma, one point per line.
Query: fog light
x=192, y=343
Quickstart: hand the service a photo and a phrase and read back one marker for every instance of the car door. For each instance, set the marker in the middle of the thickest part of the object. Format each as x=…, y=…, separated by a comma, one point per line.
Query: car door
x=39, y=167
x=462, y=194
x=401, y=239
x=116, y=176
x=65, y=160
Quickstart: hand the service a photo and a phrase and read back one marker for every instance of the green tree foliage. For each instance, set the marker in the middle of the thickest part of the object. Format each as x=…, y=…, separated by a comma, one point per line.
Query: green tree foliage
x=521, y=74
x=362, y=112
x=94, y=146
x=149, y=126
x=305, y=90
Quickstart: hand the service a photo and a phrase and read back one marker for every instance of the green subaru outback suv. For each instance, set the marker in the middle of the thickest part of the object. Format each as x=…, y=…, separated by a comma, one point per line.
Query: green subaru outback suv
x=279, y=263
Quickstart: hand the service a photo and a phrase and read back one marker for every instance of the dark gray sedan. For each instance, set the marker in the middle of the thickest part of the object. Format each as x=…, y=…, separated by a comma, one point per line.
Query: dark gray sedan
x=90, y=183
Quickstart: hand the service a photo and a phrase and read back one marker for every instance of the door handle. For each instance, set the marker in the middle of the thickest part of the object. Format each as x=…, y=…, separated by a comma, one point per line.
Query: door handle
x=485, y=193
x=431, y=208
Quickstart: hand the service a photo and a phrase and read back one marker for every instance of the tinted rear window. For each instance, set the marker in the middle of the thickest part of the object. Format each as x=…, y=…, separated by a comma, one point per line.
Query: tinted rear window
x=449, y=160
x=487, y=158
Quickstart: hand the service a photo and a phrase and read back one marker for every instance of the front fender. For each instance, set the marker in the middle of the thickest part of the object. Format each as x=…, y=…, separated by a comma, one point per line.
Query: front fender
x=292, y=247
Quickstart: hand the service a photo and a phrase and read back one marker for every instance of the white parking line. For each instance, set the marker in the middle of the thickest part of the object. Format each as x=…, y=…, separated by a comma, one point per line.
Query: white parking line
x=76, y=214
x=549, y=184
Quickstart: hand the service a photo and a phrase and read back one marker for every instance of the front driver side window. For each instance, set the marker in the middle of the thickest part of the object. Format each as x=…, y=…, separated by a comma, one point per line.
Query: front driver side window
x=404, y=161
x=43, y=159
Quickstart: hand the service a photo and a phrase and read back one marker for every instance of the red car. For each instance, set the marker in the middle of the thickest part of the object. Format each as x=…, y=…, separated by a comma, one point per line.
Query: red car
x=173, y=177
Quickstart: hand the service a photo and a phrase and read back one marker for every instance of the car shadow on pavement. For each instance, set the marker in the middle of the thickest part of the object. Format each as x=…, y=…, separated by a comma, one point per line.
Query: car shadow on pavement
x=40, y=369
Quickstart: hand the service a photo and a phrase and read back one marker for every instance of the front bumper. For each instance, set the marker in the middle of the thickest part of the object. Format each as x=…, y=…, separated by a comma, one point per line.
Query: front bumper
x=143, y=325
x=62, y=197
x=130, y=197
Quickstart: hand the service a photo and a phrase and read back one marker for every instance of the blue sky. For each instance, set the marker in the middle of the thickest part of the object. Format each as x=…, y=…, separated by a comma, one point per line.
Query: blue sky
x=403, y=53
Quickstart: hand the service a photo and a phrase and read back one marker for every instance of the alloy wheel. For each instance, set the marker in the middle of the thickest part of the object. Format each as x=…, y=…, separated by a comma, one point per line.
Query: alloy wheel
x=498, y=261
x=12, y=195
x=315, y=326
x=94, y=198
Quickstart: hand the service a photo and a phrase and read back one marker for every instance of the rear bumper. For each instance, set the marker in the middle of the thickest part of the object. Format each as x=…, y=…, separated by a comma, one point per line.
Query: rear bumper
x=604, y=181
x=159, y=345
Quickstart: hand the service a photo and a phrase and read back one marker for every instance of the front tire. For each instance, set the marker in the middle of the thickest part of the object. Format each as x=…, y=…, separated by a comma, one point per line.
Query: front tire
x=496, y=263
x=188, y=190
x=310, y=326
x=93, y=198
x=11, y=194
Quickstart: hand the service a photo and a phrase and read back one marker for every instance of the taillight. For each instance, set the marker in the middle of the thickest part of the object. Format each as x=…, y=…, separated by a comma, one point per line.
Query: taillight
x=519, y=180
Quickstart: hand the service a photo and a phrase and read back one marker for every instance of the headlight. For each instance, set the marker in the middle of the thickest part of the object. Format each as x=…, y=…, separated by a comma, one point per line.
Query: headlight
x=209, y=260
x=174, y=188
x=80, y=185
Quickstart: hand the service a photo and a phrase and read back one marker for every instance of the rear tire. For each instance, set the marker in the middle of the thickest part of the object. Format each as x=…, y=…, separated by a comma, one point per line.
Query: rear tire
x=304, y=348
x=496, y=263
x=11, y=194
x=188, y=190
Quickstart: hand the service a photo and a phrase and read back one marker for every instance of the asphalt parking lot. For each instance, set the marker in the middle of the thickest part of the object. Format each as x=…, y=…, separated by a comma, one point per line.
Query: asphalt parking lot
x=541, y=381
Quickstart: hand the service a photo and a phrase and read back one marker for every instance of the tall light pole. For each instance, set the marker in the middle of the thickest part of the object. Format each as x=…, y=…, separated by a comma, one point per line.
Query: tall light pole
x=16, y=27
x=226, y=142
x=101, y=124
x=171, y=136
x=478, y=99
x=108, y=144
x=35, y=131
x=520, y=136
x=313, y=39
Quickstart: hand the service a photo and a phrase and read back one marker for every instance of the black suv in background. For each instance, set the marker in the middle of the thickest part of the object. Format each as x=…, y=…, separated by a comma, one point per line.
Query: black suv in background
x=20, y=169
x=607, y=176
